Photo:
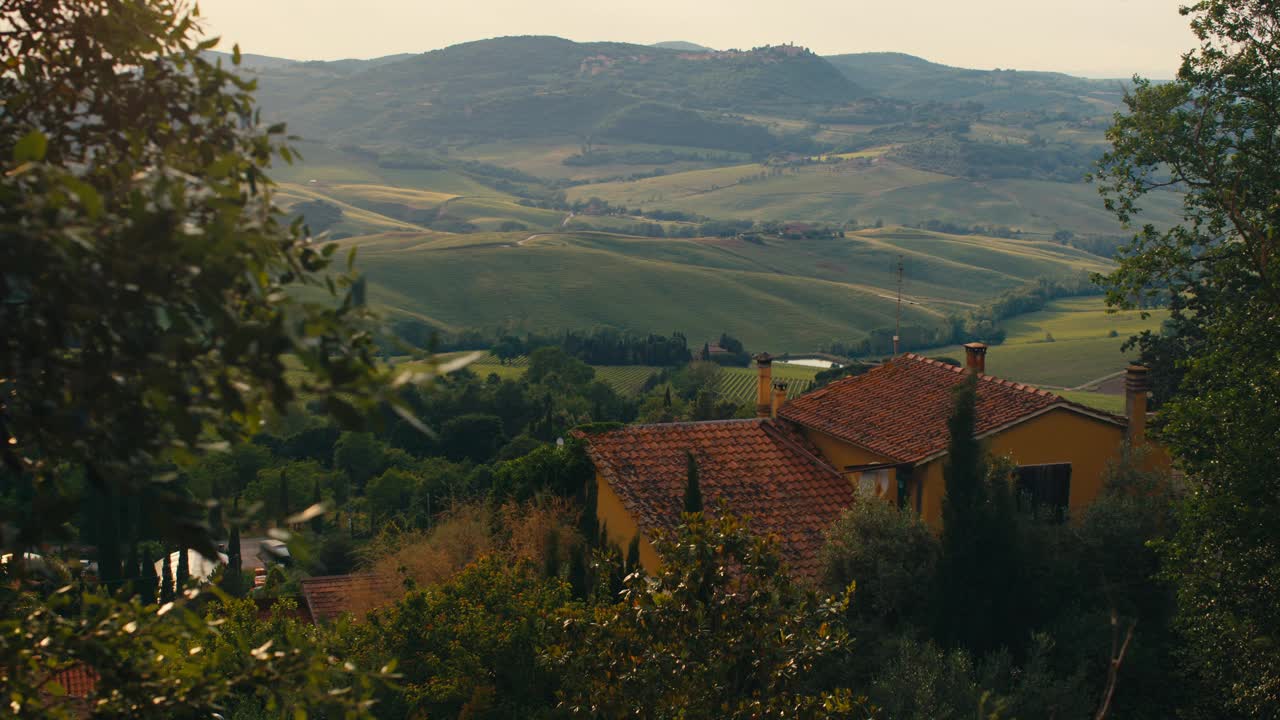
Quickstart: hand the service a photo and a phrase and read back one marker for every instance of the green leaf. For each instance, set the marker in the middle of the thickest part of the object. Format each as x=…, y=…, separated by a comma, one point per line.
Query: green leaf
x=31, y=148
x=89, y=198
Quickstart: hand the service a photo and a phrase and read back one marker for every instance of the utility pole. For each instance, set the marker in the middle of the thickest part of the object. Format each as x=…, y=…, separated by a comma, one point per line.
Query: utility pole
x=897, y=325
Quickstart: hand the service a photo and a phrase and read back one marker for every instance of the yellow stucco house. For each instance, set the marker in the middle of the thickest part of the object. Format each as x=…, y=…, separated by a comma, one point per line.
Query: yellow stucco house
x=882, y=434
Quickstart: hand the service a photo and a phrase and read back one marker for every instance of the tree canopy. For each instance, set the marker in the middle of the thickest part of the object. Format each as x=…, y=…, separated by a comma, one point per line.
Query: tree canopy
x=150, y=287
x=1213, y=134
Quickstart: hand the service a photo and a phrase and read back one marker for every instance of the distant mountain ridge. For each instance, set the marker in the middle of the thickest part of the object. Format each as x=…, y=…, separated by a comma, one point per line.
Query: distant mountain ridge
x=536, y=86
x=517, y=87
x=907, y=77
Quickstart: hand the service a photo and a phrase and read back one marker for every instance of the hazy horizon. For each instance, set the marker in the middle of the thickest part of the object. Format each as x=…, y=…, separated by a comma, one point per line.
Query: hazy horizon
x=1090, y=38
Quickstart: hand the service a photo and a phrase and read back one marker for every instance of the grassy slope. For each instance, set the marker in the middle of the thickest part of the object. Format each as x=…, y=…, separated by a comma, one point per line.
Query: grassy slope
x=885, y=190
x=736, y=383
x=779, y=296
x=376, y=199
x=1082, y=349
x=544, y=158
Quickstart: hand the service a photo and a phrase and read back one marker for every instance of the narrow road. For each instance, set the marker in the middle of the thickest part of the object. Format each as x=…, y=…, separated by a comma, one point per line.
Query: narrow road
x=520, y=243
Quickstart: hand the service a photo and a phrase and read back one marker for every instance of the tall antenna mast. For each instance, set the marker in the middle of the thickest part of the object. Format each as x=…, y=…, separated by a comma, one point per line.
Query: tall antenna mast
x=897, y=325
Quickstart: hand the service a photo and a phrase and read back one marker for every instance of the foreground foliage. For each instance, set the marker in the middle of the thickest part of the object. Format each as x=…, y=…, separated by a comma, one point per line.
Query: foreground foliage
x=1211, y=134
x=147, y=292
x=720, y=631
x=168, y=662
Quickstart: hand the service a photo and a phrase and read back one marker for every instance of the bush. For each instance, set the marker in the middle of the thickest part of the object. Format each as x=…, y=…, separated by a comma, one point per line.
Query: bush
x=891, y=555
x=471, y=647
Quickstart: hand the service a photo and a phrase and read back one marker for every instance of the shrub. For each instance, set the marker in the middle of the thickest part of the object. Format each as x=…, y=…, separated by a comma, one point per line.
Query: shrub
x=890, y=554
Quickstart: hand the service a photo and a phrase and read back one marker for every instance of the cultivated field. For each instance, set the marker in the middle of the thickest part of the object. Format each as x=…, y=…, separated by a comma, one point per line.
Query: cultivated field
x=739, y=384
x=883, y=189
x=775, y=295
x=625, y=379
x=1068, y=345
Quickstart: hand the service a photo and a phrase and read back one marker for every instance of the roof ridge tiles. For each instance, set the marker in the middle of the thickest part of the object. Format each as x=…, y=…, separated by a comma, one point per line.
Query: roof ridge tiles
x=775, y=431
x=899, y=408
x=684, y=423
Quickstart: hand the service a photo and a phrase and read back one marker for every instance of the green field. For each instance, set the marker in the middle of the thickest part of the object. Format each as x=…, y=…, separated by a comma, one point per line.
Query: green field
x=1082, y=349
x=1102, y=401
x=735, y=383
x=739, y=384
x=625, y=379
x=775, y=295
x=545, y=158
x=882, y=190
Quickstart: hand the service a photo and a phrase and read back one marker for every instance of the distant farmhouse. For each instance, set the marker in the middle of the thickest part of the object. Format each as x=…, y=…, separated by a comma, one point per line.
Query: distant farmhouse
x=881, y=435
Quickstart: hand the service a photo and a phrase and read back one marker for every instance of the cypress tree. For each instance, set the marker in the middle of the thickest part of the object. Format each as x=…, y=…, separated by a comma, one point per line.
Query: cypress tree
x=704, y=406
x=579, y=583
x=109, y=538
x=633, y=553
x=166, y=576
x=233, y=576
x=146, y=587
x=284, y=495
x=317, y=522
x=184, y=572
x=692, y=492
x=617, y=571
x=962, y=603
x=132, y=570
x=666, y=398
x=588, y=524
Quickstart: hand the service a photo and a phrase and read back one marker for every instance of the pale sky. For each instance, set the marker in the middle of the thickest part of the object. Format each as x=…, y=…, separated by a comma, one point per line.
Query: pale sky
x=1094, y=38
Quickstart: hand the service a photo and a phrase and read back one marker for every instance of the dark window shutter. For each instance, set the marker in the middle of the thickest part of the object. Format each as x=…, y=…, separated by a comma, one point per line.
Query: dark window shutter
x=1045, y=489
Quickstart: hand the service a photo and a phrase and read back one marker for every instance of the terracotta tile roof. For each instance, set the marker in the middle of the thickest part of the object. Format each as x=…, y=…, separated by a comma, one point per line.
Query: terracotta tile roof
x=79, y=681
x=333, y=595
x=900, y=409
x=758, y=469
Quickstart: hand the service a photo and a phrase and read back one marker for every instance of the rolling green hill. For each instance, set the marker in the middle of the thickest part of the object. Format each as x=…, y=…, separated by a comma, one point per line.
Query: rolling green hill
x=775, y=133
x=906, y=77
x=466, y=175
x=1068, y=344
x=773, y=294
x=865, y=189
x=534, y=86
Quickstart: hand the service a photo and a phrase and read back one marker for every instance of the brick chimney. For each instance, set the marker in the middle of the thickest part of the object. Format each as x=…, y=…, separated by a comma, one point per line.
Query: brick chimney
x=779, y=395
x=975, y=358
x=1135, y=402
x=764, y=383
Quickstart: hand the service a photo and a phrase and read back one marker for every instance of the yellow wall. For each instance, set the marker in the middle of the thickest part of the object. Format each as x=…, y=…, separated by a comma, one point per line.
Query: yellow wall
x=841, y=454
x=620, y=527
x=1061, y=436
x=1058, y=436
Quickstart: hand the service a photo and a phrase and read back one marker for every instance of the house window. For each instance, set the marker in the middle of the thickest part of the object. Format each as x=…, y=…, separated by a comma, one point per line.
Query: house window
x=871, y=482
x=1045, y=489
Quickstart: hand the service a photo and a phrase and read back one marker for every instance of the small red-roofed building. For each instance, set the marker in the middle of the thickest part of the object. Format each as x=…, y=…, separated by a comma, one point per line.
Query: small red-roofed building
x=760, y=469
x=879, y=435
x=331, y=596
